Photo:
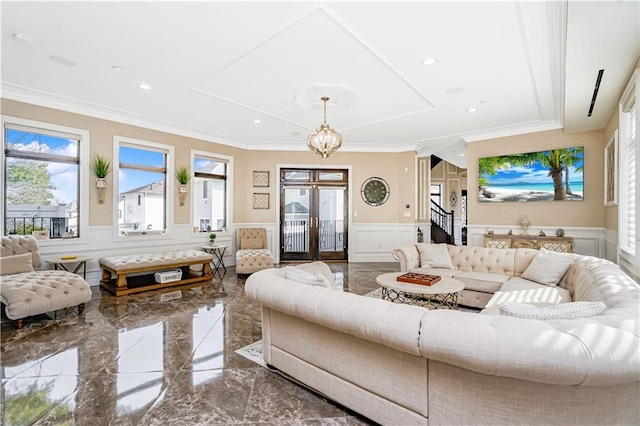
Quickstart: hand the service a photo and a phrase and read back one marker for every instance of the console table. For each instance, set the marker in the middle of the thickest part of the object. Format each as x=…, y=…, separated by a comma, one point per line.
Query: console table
x=561, y=244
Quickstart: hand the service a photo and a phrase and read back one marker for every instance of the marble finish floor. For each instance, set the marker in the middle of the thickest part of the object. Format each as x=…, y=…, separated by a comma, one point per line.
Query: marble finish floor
x=139, y=360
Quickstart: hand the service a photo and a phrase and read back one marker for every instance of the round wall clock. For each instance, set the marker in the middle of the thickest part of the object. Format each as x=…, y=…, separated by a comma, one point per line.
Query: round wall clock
x=375, y=191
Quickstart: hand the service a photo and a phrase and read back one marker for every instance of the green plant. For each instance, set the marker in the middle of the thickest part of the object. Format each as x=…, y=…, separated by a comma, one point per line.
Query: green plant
x=100, y=166
x=212, y=236
x=183, y=174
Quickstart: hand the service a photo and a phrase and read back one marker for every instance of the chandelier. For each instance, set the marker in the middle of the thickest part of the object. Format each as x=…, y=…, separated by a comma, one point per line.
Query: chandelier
x=324, y=140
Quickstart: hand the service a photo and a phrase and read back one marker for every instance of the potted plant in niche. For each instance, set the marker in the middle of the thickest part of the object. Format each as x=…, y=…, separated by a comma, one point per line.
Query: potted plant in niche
x=212, y=238
x=183, y=175
x=100, y=167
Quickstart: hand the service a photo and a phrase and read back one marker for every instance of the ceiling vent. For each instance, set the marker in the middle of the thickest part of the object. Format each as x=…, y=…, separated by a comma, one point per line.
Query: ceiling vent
x=595, y=92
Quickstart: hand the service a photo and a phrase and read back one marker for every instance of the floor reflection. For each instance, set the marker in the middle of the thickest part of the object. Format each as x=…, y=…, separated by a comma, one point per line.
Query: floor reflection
x=139, y=360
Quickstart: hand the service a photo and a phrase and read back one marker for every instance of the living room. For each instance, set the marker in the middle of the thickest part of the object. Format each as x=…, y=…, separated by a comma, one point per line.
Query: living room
x=64, y=81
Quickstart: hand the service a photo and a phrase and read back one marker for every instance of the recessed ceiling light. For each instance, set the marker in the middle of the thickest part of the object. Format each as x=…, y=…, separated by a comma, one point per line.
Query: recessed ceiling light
x=455, y=90
x=429, y=61
x=62, y=61
x=144, y=86
x=116, y=68
x=257, y=121
x=22, y=38
x=461, y=155
x=472, y=109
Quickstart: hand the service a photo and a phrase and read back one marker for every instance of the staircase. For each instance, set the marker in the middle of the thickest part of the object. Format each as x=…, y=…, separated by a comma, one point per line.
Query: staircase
x=441, y=224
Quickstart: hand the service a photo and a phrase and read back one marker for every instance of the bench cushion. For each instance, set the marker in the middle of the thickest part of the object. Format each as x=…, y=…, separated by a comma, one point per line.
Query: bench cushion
x=38, y=292
x=152, y=260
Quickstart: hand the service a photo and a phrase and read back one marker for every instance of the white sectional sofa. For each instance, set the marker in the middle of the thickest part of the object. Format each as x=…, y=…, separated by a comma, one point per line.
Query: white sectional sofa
x=403, y=364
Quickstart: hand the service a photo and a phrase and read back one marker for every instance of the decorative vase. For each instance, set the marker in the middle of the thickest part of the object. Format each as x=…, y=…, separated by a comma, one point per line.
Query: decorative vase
x=560, y=232
x=101, y=185
x=525, y=222
x=182, y=194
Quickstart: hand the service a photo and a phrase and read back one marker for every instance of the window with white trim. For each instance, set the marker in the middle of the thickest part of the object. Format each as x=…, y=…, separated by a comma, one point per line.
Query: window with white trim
x=42, y=179
x=211, y=172
x=144, y=192
x=629, y=160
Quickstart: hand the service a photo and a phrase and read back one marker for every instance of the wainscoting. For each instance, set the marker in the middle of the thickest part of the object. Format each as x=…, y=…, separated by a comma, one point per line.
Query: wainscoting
x=587, y=241
x=368, y=242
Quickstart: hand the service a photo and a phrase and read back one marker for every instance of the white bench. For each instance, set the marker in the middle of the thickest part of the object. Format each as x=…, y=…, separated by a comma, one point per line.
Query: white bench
x=133, y=273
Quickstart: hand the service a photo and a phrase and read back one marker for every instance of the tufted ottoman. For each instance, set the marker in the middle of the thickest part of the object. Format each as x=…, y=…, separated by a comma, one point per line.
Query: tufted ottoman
x=253, y=260
x=25, y=290
x=145, y=264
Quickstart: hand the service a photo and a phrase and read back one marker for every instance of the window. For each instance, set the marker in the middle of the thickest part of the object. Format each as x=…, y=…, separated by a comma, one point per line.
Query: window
x=629, y=188
x=436, y=193
x=43, y=179
x=205, y=225
x=211, y=174
x=144, y=191
x=205, y=190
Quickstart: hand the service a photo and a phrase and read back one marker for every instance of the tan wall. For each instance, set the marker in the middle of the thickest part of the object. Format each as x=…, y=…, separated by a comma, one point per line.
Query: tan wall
x=586, y=213
x=390, y=166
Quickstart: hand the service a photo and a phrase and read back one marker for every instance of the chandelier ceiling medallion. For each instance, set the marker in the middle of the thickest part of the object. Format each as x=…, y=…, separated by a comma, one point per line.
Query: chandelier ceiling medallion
x=324, y=141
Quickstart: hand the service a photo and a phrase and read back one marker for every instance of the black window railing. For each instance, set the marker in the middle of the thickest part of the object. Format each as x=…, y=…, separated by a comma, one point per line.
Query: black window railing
x=296, y=235
x=56, y=226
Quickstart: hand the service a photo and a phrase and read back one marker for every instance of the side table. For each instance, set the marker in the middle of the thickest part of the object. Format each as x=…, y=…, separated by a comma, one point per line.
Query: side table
x=217, y=250
x=61, y=262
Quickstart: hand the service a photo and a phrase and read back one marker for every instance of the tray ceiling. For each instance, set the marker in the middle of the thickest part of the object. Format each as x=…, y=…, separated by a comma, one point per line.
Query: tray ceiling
x=216, y=67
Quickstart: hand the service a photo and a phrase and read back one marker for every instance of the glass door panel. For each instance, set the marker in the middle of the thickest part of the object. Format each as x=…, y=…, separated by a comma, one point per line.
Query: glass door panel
x=296, y=223
x=331, y=229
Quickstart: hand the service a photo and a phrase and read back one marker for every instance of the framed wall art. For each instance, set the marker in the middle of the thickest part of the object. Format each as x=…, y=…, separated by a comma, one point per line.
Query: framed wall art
x=260, y=200
x=554, y=175
x=261, y=179
x=611, y=171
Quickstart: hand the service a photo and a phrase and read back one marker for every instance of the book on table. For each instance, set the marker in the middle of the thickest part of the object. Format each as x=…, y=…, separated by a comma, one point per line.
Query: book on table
x=415, y=278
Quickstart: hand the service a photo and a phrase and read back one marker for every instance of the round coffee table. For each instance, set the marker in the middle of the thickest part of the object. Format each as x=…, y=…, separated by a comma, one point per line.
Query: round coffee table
x=441, y=295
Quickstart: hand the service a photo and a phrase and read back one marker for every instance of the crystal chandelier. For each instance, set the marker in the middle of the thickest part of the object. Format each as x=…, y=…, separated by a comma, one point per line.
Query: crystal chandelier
x=324, y=140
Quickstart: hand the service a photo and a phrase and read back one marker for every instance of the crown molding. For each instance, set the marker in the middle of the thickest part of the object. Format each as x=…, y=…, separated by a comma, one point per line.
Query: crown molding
x=520, y=129
x=49, y=100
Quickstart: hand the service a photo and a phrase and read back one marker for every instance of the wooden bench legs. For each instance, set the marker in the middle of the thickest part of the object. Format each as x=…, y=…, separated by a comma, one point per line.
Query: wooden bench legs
x=121, y=286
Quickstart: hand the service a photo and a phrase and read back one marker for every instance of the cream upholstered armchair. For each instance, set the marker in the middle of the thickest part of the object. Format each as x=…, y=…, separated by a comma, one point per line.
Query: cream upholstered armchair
x=252, y=254
x=26, y=291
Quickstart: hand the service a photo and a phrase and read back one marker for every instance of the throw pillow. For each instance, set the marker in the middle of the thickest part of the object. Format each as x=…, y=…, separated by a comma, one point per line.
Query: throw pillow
x=296, y=274
x=251, y=243
x=548, y=267
x=434, y=256
x=16, y=264
x=560, y=311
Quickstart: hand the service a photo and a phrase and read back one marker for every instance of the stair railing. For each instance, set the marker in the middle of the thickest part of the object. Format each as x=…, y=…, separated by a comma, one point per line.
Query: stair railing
x=442, y=218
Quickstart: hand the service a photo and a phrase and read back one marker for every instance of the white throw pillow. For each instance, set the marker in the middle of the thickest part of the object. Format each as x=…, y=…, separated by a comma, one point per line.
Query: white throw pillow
x=561, y=311
x=548, y=267
x=296, y=274
x=434, y=256
x=16, y=264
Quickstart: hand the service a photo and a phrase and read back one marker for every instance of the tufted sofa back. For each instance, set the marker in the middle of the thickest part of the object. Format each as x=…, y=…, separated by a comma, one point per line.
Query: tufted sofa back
x=21, y=244
x=511, y=262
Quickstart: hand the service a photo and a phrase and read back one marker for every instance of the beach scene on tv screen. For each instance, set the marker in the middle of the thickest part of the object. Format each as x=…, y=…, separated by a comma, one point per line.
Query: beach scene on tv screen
x=554, y=175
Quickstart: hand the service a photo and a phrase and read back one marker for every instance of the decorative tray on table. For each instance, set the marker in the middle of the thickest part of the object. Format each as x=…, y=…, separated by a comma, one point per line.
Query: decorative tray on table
x=422, y=279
